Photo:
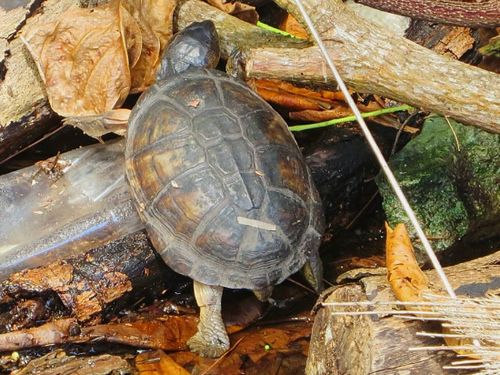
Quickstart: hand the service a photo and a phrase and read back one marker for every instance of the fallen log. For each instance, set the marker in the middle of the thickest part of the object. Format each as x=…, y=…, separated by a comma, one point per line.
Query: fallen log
x=373, y=60
x=363, y=344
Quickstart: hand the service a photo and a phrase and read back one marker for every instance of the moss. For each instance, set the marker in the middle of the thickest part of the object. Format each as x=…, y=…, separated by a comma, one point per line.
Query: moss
x=453, y=188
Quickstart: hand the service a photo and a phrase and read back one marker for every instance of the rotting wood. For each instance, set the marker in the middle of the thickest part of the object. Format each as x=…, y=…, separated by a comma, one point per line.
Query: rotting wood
x=55, y=332
x=58, y=362
x=381, y=343
x=156, y=327
x=89, y=283
x=372, y=60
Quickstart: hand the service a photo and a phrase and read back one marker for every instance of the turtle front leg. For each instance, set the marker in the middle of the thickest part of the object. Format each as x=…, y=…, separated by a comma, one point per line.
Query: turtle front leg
x=211, y=340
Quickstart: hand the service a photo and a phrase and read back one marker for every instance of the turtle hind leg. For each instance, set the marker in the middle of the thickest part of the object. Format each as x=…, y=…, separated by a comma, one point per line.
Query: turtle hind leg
x=211, y=340
x=313, y=271
x=264, y=294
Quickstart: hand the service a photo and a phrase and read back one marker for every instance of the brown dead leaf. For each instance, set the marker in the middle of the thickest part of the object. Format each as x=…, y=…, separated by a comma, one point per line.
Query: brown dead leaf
x=158, y=363
x=133, y=37
x=143, y=72
x=293, y=97
x=256, y=348
x=340, y=110
x=292, y=26
x=322, y=95
x=160, y=14
x=407, y=280
x=290, y=101
x=243, y=11
x=168, y=333
x=83, y=61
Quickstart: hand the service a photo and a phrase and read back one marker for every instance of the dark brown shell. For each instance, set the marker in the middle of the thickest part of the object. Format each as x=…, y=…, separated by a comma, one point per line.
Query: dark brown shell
x=204, y=151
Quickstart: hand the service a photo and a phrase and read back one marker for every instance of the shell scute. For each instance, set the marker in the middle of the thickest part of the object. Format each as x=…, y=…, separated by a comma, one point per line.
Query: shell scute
x=267, y=129
x=240, y=100
x=224, y=244
x=215, y=124
x=161, y=120
x=197, y=95
x=196, y=193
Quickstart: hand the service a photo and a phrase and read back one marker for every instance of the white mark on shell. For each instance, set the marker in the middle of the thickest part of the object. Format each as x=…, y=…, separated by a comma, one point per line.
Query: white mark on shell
x=255, y=223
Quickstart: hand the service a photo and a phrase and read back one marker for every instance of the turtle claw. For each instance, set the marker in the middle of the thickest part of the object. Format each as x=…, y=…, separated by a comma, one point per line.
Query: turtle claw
x=207, y=345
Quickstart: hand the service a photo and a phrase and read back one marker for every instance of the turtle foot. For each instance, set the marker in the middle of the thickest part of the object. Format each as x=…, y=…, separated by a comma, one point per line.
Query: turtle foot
x=209, y=345
x=211, y=340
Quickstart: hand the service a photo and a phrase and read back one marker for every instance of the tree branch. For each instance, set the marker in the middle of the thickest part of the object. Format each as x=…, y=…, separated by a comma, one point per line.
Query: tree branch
x=456, y=12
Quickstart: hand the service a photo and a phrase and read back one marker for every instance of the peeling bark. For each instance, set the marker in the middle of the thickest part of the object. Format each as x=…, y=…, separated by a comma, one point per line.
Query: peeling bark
x=234, y=33
x=58, y=362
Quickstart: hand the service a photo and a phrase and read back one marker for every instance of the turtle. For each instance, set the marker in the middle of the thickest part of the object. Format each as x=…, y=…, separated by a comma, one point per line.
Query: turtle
x=220, y=183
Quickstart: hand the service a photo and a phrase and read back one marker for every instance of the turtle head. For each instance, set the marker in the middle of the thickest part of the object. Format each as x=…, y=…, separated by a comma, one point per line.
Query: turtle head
x=197, y=46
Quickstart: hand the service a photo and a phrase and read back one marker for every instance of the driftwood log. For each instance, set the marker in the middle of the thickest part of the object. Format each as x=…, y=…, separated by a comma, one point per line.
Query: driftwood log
x=368, y=344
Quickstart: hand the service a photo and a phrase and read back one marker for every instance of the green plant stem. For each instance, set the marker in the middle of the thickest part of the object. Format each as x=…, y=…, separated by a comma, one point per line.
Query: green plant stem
x=378, y=112
x=275, y=30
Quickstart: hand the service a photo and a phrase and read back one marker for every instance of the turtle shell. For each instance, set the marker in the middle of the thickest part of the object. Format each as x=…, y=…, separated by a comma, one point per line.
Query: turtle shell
x=220, y=182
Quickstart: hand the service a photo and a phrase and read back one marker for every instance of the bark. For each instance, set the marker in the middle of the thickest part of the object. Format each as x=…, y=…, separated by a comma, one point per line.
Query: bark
x=371, y=59
x=381, y=344
x=58, y=362
x=484, y=13
x=25, y=114
x=88, y=284
x=56, y=332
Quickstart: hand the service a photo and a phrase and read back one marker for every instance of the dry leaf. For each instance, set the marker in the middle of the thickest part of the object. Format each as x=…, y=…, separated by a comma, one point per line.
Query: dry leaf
x=322, y=95
x=160, y=16
x=158, y=363
x=292, y=97
x=83, y=60
x=292, y=26
x=133, y=37
x=143, y=73
x=339, y=111
x=407, y=280
x=257, y=347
